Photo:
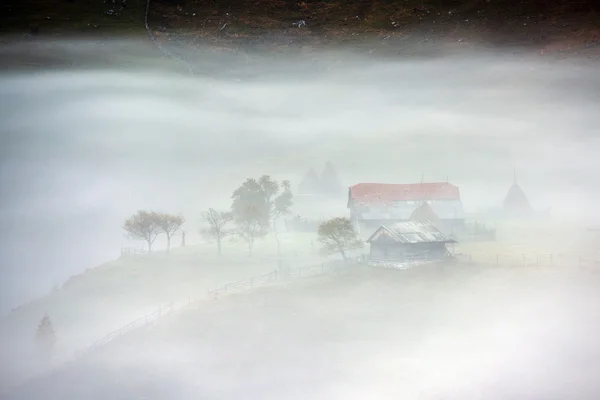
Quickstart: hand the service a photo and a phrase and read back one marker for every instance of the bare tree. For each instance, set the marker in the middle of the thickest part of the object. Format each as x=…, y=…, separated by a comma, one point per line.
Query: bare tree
x=169, y=224
x=143, y=225
x=337, y=235
x=216, y=225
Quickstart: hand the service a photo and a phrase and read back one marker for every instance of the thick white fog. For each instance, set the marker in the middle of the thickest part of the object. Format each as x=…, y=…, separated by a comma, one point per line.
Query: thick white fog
x=93, y=131
x=83, y=148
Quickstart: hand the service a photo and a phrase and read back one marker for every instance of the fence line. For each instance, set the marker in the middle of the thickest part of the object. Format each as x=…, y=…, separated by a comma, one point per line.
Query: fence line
x=131, y=251
x=213, y=294
x=541, y=259
x=290, y=273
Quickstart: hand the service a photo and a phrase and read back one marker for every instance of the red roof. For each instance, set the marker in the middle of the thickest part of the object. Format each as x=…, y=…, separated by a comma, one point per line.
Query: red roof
x=385, y=193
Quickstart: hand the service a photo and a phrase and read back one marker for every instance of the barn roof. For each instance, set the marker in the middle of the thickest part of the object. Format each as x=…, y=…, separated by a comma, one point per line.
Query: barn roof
x=410, y=232
x=386, y=193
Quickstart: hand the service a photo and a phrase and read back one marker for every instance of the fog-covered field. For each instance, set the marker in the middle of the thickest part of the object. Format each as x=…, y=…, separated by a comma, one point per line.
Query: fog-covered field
x=109, y=129
x=108, y=297
x=85, y=147
x=445, y=332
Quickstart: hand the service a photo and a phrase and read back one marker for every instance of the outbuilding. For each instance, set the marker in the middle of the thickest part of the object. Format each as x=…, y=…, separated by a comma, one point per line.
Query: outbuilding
x=409, y=241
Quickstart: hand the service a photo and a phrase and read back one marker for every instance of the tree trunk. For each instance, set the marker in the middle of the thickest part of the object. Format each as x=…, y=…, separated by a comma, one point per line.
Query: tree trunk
x=168, y=243
x=250, y=245
x=276, y=237
x=343, y=253
x=219, y=245
x=149, y=245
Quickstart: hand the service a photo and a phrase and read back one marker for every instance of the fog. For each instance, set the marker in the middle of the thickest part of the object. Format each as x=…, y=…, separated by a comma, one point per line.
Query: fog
x=94, y=131
x=429, y=333
x=83, y=148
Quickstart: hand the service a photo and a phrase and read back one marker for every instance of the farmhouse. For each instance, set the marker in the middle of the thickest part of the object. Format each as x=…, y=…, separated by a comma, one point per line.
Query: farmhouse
x=411, y=241
x=374, y=204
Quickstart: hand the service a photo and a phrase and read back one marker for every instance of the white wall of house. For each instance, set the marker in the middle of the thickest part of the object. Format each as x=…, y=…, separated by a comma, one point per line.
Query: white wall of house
x=402, y=210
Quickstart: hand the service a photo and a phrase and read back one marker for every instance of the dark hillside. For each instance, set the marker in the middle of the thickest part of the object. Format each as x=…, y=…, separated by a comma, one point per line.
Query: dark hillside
x=541, y=26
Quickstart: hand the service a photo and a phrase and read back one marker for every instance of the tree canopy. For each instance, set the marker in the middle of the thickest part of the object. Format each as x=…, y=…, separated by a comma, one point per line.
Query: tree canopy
x=257, y=203
x=337, y=235
x=143, y=225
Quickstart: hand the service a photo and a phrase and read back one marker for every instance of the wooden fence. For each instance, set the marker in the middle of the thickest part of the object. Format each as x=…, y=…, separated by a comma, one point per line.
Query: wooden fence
x=142, y=321
x=131, y=251
x=243, y=284
x=213, y=294
x=291, y=273
x=532, y=259
x=282, y=274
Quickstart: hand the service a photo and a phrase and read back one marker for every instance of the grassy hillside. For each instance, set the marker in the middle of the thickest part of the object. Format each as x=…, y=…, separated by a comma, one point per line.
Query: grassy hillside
x=110, y=296
x=435, y=332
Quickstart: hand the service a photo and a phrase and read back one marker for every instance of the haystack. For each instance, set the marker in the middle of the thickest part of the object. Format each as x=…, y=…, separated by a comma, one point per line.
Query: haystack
x=516, y=202
x=310, y=184
x=330, y=181
x=424, y=213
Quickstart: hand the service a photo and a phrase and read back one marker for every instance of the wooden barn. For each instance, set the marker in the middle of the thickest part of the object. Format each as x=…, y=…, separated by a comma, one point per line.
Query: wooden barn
x=409, y=241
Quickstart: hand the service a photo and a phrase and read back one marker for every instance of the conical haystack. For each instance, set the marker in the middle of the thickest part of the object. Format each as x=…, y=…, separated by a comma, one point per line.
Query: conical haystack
x=330, y=181
x=310, y=184
x=424, y=213
x=515, y=202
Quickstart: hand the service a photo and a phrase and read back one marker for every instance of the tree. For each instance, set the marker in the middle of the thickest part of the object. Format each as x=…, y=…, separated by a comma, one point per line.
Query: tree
x=169, y=224
x=143, y=225
x=216, y=225
x=262, y=200
x=253, y=223
x=338, y=235
x=280, y=207
x=45, y=337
